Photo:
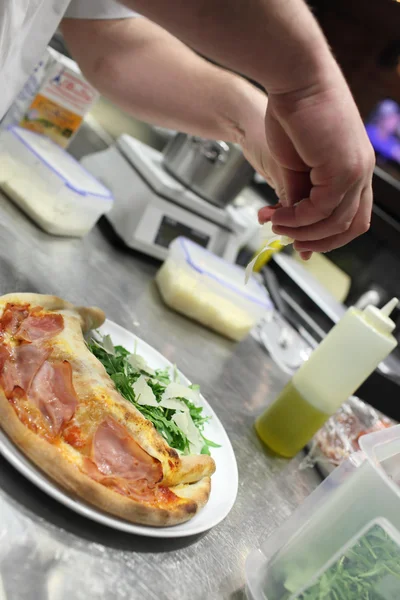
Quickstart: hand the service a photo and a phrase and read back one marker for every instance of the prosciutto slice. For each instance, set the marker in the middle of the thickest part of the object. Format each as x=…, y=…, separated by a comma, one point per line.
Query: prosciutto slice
x=116, y=454
x=18, y=366
x=12, y=317
x=52, y=391
x=35, y=328
x=137, y=490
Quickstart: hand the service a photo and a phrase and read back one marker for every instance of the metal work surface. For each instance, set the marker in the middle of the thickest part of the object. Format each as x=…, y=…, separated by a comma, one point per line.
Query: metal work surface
x=48, y=552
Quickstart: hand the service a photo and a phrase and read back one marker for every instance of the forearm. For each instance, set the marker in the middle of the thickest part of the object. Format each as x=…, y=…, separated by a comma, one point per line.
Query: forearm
x=277, y=43
x=155, y=77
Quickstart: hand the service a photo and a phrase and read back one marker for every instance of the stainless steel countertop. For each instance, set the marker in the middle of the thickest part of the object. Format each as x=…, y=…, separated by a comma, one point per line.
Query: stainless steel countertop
x=43, y=545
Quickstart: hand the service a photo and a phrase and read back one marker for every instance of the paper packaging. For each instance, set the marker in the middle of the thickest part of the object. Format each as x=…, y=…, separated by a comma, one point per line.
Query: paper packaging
x=54, y=100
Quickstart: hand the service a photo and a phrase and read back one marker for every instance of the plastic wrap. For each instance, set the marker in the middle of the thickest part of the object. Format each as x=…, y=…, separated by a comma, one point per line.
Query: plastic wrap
x=338, y=438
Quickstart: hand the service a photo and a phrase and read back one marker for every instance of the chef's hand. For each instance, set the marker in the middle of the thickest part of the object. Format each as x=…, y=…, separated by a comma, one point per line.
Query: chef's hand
x=320, y=162
x=320, y=152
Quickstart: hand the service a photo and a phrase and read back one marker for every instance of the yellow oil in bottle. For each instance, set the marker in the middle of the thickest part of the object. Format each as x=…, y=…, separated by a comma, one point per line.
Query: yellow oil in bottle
x=289, y=423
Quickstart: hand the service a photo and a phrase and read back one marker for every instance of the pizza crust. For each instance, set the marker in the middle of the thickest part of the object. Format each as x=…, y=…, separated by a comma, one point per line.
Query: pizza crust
x=49, y=459
x=188, y=477
x=90, y=317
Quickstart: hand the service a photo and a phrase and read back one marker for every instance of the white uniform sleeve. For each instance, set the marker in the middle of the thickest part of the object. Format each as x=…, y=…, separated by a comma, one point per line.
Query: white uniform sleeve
x=98, y=9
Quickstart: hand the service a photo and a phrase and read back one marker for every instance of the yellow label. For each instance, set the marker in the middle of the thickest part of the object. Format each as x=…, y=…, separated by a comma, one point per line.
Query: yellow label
x=49, y=118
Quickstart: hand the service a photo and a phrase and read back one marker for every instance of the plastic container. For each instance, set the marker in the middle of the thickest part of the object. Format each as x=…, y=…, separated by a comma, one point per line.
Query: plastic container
x=49, y=184
x=338, y=366
x=360, y=493
x=367, y=564
x=208, y=289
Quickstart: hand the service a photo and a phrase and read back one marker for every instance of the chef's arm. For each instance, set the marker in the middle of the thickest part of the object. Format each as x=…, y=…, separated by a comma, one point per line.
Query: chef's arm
x=152, y=75
x=315, y=136
x=315, y=153
x=276, y=43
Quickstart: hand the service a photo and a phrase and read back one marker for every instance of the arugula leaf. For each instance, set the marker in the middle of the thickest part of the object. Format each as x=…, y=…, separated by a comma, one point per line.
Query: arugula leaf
x=163, y=376
x=370, y=566
x=210, y=443
x=125, y=373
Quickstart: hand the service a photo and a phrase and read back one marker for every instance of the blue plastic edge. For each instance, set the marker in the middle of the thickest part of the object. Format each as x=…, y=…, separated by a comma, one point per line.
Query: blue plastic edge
x=184, y=241
x=14, y=130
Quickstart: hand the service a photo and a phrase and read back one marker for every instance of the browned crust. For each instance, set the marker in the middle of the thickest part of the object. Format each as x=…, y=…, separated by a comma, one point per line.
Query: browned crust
x=192, y=497
x=91, y=317
x=191, y=469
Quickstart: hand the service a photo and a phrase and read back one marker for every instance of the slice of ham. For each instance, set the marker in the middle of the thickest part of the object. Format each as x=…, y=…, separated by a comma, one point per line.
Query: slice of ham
x=135, y=489
x=52, y=391
x=29, y=414
x=35, y=328
x=18, y=366
x=12, y=317
x=4, y=355
x=115, y=453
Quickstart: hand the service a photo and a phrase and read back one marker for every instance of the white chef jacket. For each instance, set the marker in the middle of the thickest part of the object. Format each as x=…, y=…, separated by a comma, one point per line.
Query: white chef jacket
x=26, y=27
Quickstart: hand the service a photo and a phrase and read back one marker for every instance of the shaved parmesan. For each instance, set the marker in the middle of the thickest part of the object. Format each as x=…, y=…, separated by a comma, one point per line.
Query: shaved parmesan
x=137, y=362
x=162, y=401
x=144, y=395
x=173, y=404
x=184, y=421
x=268, y=237
x=105, y=344
x=177, y=390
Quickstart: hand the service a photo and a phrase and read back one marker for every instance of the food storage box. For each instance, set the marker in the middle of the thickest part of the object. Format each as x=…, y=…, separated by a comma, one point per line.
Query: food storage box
x=368, y=566
x=210, y=290
x=359, y=503
x=49, y=184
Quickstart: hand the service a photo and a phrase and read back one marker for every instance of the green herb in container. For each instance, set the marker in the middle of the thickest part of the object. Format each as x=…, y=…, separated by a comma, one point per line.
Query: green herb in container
x=369, y=569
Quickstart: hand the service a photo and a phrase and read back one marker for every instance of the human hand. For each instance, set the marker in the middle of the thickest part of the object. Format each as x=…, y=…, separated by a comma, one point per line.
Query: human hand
x=321, y=167
x=257, y=151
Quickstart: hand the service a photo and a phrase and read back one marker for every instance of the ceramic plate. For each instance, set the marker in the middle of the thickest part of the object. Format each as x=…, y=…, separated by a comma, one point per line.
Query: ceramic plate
x=224, y=481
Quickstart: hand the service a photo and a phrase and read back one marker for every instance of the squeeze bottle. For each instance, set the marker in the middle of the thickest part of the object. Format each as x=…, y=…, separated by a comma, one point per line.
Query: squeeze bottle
x=335, y=370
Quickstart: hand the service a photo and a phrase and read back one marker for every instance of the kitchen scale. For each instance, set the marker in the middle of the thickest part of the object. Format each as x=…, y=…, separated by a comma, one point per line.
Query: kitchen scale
x=151, y=208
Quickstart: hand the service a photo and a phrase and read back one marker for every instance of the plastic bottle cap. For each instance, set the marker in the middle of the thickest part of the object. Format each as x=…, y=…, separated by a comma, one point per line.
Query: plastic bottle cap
x=380, y=318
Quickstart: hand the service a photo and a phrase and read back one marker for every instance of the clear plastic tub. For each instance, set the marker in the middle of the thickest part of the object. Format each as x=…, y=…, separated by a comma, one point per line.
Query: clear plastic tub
x=363, y=490
x=208, y=289
x=366, y=567
x=49, y=184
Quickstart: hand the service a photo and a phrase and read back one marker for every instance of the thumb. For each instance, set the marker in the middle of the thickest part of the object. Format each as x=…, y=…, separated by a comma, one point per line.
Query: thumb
x=296, y=184
x=294, y=175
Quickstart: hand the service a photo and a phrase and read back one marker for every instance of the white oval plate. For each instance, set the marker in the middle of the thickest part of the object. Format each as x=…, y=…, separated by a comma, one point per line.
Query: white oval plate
x=224, y=483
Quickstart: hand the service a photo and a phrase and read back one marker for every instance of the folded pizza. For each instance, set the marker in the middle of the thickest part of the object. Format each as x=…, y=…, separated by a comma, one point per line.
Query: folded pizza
x=62, y=410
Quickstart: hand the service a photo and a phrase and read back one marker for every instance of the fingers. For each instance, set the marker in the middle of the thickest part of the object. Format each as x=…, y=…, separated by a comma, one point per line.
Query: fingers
x=265, y=213
x=264, y=216
x=338, y=222
x=318, y=206
x=359, y=225
x=296, y=185
x=328, y=193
